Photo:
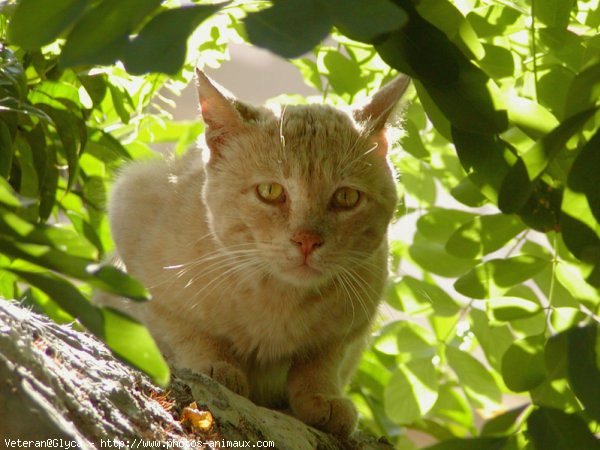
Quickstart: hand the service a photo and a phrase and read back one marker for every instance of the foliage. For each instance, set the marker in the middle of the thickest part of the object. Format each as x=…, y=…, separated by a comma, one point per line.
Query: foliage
x=496, y=247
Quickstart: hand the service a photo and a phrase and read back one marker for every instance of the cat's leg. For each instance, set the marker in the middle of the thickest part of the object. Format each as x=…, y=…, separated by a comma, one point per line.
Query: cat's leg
x=315, y=394
x=213, y=357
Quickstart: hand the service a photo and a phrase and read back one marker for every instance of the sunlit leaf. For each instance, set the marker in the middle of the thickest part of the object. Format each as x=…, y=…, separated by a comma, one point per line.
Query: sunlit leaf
x=7, y=195
x=67, y=296
x=493, y=278
x=511, y=308
x=483, y=235
x=432, y=257
x=344, y=74
x=132, y=342
x=523, y=365
x=517, y=185
x=480, y=386
x=419, y=296
x=494, y=338
x=412, y=391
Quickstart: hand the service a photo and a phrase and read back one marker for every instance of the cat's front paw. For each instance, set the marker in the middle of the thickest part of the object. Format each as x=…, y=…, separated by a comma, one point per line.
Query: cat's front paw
x=336, y=415
x=228, y=375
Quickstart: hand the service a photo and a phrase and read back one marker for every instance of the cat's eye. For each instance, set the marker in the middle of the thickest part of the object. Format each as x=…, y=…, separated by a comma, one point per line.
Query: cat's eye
x=345, y=198
x=271, y=192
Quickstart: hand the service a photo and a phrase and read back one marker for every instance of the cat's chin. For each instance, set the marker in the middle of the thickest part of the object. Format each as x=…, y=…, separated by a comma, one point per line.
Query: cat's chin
x=303, y=276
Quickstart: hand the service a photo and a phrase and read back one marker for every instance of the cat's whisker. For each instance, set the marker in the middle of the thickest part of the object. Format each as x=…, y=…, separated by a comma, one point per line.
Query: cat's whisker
x=239, y=267
x=349, y=327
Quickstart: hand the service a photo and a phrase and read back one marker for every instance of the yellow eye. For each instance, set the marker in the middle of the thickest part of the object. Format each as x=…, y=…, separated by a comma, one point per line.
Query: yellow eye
x=271, y=192
x=345, y=198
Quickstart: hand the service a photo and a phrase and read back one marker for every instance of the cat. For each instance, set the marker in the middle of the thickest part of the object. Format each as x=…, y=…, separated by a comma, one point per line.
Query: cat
x=265, y=253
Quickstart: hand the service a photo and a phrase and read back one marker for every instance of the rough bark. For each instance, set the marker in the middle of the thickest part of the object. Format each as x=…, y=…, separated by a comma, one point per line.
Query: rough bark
x=60, y=383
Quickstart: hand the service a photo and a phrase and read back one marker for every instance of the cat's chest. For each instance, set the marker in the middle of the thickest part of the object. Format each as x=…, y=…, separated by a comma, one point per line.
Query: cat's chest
x=280, y=328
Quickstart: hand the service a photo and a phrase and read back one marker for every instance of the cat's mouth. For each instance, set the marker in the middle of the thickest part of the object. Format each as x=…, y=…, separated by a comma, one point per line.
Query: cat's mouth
x=302, y=274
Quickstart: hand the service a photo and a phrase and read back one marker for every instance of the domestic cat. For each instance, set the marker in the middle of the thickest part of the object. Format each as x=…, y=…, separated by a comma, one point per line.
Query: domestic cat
x=266, y=254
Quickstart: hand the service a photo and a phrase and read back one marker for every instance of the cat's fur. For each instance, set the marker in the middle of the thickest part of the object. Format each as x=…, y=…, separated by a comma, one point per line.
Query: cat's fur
x=236, y=295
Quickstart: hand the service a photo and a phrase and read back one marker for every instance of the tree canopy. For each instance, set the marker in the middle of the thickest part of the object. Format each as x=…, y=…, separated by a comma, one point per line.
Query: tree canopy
x=497, y=281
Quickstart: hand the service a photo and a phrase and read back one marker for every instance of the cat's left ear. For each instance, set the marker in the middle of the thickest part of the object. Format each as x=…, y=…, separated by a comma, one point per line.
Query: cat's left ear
x=376, y=112
x=218, y=112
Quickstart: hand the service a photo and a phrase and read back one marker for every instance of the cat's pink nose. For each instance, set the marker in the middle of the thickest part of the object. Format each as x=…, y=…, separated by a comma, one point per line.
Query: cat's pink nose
x=307, y=241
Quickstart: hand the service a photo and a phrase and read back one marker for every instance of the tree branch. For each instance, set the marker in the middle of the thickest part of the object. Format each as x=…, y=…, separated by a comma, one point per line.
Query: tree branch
x=62, y=383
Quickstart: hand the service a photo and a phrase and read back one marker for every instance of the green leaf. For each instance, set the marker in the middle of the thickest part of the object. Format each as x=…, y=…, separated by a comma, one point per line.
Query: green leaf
x=432, y=257
x=101, y=276
x=584, y=176
x=344, y=73
x=56, y=236
x=102, y=32
x=494, y=338
x=34, y=24
x=552, y=429
x=72, y=133
x=7, y=195
x=482, y=443
x=467, y=193
x=507, y=309
x=439, y=223
x=67, y=296
x=483, y=235
x=417, y=181
x=517, y=186
x=459, y=89
x=405, y=337
x=480, y=386
x=310, y=72
x=166, y=35
x=505, y=423
x=583, y=370
x=132, y=342
x=448, y=18
x=494, y=277
x=486, y=159
x=531, y=117
x=453, y=406
x=113, y=280
x=364, y=20
x=498, y=61
x=420, y=297
x=411, y=392
x=552, y=93
x=579, y=210
x=584, y=91
x=523, y=365
x=554, y=13
x=289, y=28
x=6, y=144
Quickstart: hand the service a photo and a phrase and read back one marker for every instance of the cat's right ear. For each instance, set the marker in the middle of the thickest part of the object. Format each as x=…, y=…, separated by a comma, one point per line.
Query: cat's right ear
x=218, y=112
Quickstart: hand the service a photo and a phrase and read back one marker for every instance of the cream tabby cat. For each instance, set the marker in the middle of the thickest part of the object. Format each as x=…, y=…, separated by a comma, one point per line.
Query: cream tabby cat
x=266, y=260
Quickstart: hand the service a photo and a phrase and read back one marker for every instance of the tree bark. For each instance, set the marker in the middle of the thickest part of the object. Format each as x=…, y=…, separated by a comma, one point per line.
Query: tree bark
x=63, y=384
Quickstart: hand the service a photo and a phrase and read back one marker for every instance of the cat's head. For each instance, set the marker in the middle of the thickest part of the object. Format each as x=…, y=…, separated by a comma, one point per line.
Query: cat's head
x=301, y=194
